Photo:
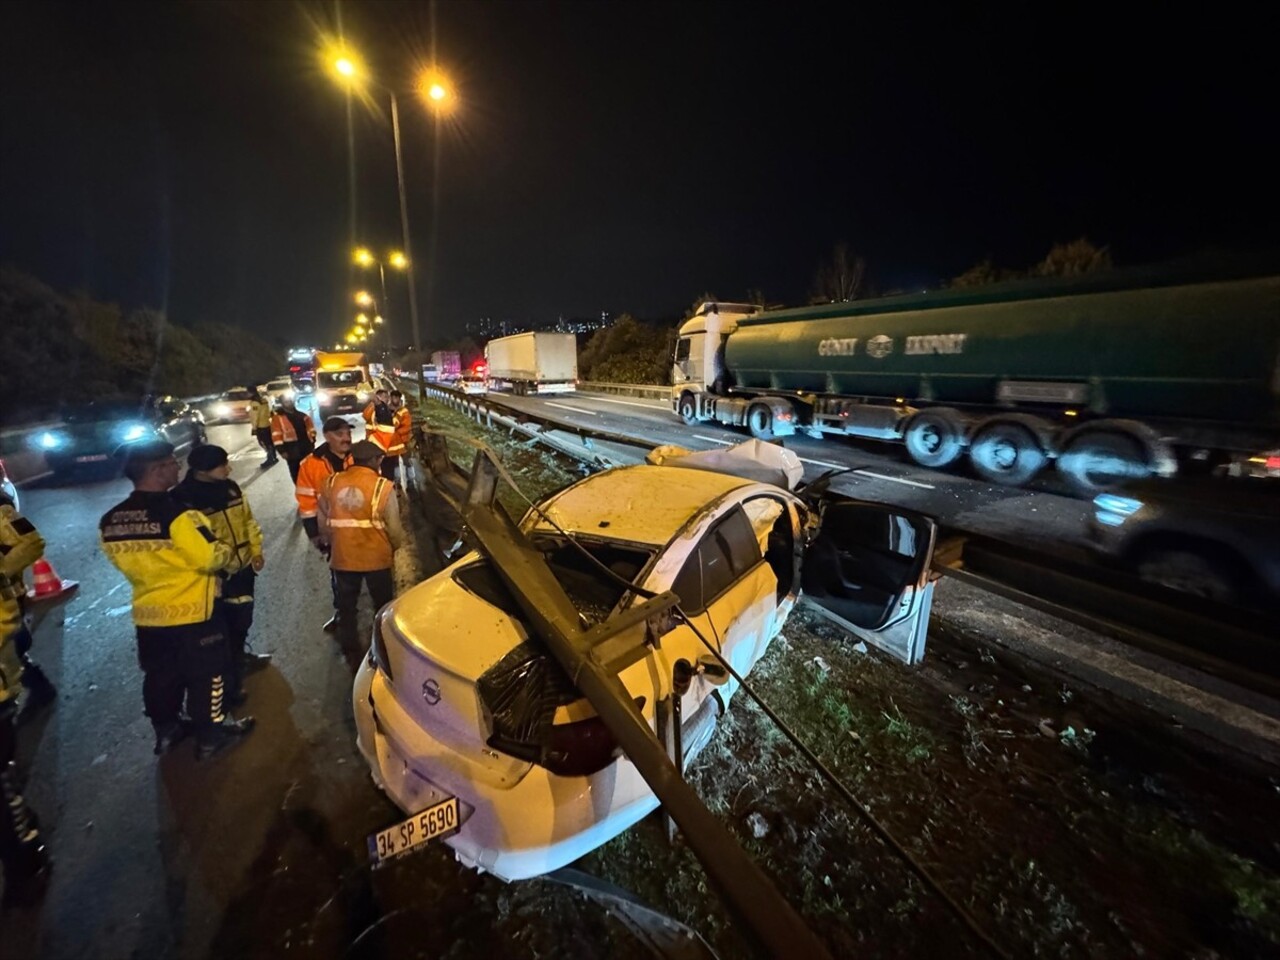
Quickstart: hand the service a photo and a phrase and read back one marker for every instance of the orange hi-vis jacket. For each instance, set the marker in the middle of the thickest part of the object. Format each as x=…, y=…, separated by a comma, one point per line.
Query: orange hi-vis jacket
x=379, y=426
x=403, y=423
x=283, y=430
x=316, y=467
x=360, y=517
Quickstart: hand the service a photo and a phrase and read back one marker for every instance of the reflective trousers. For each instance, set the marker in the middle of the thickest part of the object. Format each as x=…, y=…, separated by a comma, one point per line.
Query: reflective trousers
x=184, y=663
x=236, y=610
x=20, y=839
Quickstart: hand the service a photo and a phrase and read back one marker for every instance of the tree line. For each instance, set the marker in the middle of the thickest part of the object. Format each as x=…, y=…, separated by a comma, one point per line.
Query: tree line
x=75, y=349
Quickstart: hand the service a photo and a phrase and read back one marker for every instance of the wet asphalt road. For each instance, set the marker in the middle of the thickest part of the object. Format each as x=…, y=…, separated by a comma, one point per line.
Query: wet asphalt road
x=168, y=857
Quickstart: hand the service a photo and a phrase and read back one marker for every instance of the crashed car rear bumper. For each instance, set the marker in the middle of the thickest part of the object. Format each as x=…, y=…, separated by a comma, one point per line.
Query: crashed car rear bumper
x=539, y=824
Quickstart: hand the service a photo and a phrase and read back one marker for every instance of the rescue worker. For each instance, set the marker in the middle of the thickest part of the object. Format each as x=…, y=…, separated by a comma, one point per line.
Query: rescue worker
x=293, y=434
x=22, y=849
x=402, y=421
x=379, y=425
x=360, y=520
x=172, y=559
x=208, y=487
x=260, y=418
x=332, y=456
x=19, y=537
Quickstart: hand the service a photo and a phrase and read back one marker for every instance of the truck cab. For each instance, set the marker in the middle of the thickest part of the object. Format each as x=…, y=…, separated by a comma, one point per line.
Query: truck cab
x=698, y=364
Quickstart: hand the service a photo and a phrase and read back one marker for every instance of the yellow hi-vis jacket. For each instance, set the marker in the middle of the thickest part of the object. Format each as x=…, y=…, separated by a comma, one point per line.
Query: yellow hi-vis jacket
x=360, y=516
x=169, y=555
x=260, y=414
x=20, y=546
x=225, y=508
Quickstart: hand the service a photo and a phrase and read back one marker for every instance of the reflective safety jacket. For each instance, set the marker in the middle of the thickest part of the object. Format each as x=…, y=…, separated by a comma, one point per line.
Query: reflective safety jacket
x=315, y=468
x=286, y=427
x=402, y=421
x=169, y=555
x=20, y=546
x=360, y=516
x=260, y=414
x=223, y=504
x=379, y=425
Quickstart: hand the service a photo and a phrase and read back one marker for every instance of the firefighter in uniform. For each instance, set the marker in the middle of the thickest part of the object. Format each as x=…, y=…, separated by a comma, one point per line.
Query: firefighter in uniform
x=380, y=428
x=172, y=559
x=360, y=519
x=332, y=456
x=208, y=487
x=293, y=434
x=22, y=849
x=260, y=419
x=402, y=421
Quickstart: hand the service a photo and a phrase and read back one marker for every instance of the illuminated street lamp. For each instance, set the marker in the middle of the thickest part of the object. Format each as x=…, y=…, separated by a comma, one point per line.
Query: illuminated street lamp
x=433, y=86
x=364, y=299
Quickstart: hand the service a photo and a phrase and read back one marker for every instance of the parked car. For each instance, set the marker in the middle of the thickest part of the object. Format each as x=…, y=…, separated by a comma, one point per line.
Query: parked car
x=234, y=406
x=1212, y=536
x=8, y=487
x=91, y=433
x=459, y=701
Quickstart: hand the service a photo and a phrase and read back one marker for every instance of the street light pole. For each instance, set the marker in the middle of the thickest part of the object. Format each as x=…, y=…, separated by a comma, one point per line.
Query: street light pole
x=408, y=250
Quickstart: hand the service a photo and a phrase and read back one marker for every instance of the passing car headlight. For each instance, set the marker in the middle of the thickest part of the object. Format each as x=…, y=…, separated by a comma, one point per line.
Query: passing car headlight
x=1111, y=510
x=362, y=396
x=51, y=440
x=132, y=431
x=222, y=410
x=322, y=397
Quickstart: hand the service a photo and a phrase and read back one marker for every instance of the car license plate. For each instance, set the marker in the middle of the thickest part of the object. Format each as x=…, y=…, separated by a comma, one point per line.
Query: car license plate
x=438, y=820
x=93, y=457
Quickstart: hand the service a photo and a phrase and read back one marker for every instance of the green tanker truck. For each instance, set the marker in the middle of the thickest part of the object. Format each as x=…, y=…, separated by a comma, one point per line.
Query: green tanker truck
x=1100, y=376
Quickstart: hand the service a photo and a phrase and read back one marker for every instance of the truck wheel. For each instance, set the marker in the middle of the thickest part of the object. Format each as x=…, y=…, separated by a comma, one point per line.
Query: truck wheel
x=688, y=409
x=1006, y=453
x=1094, y=462
x=933, y=440
x=1206, y=571
x=760, y=422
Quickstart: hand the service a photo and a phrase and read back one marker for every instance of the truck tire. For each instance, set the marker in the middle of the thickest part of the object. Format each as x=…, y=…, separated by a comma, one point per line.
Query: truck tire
x=760, y=421
x=688, y=409
x=1096, y=461
x=934, y=439
x=1006, y=453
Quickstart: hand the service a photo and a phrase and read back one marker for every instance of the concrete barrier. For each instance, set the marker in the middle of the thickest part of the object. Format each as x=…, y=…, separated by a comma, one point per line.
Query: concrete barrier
x=646, y=390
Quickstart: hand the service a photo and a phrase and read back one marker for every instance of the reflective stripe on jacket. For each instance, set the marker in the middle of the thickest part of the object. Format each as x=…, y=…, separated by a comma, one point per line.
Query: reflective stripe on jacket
x=20, y=546
x=403, y=424
x=169, y=555
x=315, y=468
x=284, y=430
x=379, y=425
x=360, y=517
x=223, y=504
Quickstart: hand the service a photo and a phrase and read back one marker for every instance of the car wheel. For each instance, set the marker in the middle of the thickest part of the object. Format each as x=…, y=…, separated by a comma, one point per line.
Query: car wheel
x=760, y=422
x=1095, y=462
x=1006, y=453
x=933, y=440
x=688, y=409
x=1207, y=571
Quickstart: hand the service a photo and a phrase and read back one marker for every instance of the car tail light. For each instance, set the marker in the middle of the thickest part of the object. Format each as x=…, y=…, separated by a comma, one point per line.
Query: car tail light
x=581, y=748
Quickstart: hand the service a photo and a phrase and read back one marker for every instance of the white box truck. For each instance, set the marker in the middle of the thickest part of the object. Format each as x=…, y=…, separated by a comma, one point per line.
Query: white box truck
x=533, y=363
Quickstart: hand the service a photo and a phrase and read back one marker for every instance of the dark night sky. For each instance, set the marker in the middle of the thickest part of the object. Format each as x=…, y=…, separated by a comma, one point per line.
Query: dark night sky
x=616, y=156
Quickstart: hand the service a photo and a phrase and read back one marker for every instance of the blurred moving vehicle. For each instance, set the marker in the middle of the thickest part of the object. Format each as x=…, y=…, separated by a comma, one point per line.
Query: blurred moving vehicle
x=343, y=383
x=234, y=406
x=1212, y=536
x=274, y=390
x=91, y=433
x=8, y=487
x=464, y=716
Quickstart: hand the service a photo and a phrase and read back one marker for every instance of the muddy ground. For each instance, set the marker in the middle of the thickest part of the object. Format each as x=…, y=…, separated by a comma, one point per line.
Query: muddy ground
x=1067, y=821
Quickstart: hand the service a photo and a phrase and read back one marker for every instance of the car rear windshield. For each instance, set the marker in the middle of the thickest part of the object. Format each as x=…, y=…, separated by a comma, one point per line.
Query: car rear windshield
x=593, y=592
x=279, y=384
x=239, y=395
x=340, y=378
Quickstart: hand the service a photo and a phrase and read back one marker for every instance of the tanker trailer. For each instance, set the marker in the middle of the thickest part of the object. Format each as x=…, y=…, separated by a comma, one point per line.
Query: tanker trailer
x=1104, y=379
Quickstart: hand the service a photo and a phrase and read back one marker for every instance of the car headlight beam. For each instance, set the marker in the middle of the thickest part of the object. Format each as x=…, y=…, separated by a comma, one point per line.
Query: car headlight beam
x=49, y=440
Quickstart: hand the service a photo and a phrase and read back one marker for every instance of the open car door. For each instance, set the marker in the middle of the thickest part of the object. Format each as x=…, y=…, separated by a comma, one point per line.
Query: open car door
x=868, y=571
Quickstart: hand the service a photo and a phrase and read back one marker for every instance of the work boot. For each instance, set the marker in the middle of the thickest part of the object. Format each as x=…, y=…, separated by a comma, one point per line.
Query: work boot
x=26, y=874
x=225, y=734
x=252, y=662
x=169, y=735
x=330, y=625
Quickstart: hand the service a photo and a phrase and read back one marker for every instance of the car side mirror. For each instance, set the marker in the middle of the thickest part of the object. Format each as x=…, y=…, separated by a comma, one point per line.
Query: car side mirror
x=868, y=571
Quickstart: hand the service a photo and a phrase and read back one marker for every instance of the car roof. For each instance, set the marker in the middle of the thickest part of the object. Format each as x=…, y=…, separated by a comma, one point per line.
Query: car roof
x=642, y=503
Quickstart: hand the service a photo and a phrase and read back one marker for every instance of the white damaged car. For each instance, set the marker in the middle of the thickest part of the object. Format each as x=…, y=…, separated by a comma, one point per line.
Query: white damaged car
x=472, y=728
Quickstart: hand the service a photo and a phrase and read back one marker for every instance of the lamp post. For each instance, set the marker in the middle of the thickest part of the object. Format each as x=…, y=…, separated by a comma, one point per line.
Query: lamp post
x=349, y=70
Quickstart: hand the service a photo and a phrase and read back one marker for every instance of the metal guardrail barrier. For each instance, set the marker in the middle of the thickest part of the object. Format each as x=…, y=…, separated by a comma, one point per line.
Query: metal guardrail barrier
x=651, y=391
x=1238, y=646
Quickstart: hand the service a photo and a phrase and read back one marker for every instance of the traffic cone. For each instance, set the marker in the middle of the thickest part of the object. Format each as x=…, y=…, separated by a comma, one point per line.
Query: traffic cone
x=48, y=585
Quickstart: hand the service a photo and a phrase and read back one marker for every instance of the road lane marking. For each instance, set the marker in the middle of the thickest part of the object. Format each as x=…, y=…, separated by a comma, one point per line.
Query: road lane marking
x=823, y=463
x=656, y=405
x=698, y=436
x=593, y=413
x=909, y=483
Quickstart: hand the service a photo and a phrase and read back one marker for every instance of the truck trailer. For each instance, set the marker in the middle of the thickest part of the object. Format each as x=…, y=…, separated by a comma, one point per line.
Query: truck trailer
x=1116, y=375
x=533, y=363
x=448, y=364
